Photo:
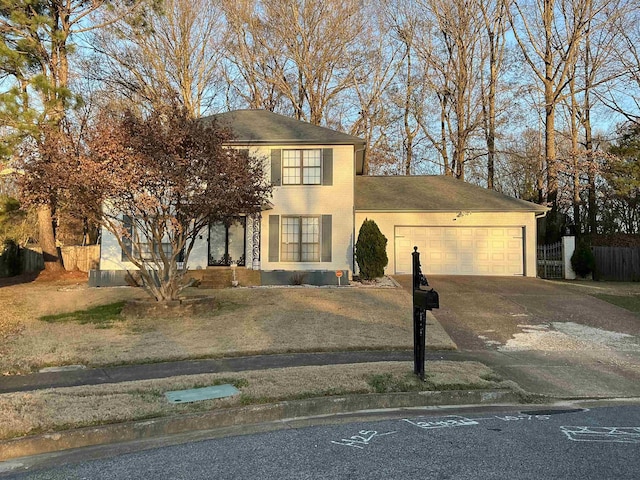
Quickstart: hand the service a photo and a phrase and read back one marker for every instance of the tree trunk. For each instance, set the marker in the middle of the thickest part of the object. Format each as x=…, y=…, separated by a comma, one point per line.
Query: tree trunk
x=550, y=147
x=47, y=240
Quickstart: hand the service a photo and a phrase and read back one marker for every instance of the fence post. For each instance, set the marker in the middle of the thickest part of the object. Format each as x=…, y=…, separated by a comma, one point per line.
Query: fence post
x=568, y=247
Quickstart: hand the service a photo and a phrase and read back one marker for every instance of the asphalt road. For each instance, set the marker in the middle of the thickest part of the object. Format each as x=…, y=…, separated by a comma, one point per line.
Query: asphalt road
x=531, y=443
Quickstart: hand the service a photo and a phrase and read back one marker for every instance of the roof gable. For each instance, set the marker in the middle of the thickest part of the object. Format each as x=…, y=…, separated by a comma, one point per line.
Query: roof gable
x=267, y=128
x=433, y=193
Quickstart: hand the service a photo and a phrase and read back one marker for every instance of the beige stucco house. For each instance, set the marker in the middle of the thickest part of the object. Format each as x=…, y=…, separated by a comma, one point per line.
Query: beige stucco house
x=320, y=199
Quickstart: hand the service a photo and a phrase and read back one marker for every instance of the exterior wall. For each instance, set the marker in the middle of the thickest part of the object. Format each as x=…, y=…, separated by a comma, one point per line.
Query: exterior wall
x=387, y=221
x=111, y=253
x=336, y=200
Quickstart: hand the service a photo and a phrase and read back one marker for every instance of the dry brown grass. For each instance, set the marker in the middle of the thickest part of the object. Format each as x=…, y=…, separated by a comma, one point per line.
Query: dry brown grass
x=63, y=408
x=269, y=320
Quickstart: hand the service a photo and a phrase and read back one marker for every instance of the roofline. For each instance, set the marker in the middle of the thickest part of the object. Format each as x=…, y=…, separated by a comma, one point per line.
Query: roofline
x=287, y=142
x=486, y=210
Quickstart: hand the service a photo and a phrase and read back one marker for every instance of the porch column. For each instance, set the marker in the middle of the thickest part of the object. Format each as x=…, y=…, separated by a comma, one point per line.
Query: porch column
x=255, y=241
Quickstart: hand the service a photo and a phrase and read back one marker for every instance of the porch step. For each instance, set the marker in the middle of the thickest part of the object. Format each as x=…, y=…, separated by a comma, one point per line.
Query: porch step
x=221, y=277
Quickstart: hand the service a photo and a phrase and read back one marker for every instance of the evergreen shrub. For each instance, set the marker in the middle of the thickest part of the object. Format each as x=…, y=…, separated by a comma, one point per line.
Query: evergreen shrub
x=371, y=251
x=583, y=261
x=10, y=258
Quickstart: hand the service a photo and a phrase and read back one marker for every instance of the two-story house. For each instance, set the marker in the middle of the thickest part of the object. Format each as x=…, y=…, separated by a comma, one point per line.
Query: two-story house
x=320, y=199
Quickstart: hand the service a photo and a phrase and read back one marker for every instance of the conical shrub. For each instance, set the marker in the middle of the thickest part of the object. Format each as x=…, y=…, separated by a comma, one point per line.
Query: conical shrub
x=371, y=251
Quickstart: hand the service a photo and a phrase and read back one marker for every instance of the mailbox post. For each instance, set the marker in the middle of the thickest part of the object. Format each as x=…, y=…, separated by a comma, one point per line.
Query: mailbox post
x=423, y=299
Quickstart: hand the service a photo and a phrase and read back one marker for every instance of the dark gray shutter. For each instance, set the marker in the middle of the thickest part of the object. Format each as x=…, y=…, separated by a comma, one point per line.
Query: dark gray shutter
x=127, y=225
x=274, y=238
x=327, y=166
x=276, y=166
x=326, y=238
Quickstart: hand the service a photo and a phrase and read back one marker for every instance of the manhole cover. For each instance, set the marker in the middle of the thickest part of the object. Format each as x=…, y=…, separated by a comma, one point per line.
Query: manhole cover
x=199, y=394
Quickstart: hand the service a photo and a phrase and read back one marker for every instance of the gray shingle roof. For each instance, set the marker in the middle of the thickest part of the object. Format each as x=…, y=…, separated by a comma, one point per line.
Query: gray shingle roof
x=268, y=128
x=433, y=193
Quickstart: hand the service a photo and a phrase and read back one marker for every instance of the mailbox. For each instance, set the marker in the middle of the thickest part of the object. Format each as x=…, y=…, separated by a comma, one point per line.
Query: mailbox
x=426, y=299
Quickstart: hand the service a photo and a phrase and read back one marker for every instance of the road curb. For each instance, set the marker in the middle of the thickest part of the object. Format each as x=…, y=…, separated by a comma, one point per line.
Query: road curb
x=249, y=415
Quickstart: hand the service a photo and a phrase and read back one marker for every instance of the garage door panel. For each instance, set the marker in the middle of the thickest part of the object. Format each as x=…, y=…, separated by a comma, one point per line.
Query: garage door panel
x=461, y=250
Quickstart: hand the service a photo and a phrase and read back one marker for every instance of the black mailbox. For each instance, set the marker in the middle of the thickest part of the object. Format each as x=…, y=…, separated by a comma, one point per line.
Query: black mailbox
x=426, y=299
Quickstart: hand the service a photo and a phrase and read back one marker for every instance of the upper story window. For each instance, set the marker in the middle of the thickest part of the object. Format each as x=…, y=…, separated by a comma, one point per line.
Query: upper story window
x=302, y=167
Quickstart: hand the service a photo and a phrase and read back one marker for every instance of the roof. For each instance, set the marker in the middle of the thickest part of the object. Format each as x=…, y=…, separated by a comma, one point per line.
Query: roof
x=433, y=193
x=268, y=128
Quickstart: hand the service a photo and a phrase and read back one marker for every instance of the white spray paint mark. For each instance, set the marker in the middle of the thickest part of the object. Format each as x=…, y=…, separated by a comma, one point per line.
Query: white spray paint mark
x=449, y=421
x=361, y=440
x=602, y=434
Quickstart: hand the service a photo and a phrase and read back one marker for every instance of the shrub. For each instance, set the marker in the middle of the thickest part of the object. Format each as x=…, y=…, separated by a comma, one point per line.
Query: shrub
x=11, y=258
x=583, y=260
x=371, y=251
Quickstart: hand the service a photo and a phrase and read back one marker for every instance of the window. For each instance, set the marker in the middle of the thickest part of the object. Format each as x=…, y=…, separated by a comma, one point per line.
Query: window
x=300, y=239
x=302, y=167
x=137, y=244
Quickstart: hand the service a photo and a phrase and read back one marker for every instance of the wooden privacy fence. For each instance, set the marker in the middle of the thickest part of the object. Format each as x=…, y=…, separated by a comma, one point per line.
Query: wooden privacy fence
x=74, y=258
x=550, y=261
x=32, y=260
x=617, y=263
x=81, y=258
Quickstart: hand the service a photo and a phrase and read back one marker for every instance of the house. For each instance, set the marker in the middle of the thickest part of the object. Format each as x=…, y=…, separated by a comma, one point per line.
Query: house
x=320, y=199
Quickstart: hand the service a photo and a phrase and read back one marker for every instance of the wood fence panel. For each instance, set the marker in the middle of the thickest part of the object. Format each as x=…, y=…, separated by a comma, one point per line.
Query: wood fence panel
x=32, y=260
x=81, y=258
x=617, y=263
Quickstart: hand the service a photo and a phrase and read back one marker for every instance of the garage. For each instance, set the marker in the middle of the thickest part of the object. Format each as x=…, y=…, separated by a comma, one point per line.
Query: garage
x=459, y=228
x=461, y=250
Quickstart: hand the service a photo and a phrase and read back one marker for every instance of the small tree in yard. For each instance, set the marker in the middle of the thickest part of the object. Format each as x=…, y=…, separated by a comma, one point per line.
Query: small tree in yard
x=371, y=251
x=160, y=181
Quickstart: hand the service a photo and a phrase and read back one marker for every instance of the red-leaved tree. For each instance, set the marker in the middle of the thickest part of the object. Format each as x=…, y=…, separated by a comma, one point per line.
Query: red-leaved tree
x=160, y=181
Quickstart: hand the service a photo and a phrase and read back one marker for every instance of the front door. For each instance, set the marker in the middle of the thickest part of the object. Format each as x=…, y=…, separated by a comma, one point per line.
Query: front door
x=227, y=242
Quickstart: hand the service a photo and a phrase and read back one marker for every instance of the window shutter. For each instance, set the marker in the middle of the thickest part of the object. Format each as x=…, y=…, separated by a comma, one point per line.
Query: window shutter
x=274, y=238
x=276, y=167
x=327, y=166
x=127, y=224
x=326, y=238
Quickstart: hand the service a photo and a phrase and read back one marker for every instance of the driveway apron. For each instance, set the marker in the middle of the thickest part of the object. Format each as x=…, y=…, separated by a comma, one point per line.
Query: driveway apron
x=550, y=337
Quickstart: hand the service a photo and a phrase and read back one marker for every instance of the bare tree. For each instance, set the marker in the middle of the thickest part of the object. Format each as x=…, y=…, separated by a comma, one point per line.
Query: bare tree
x=301, y=51
x=172, y=53
x=372, y=81
x=550, y=34
x=495, y=25
x=450, y=49
x=623, y=94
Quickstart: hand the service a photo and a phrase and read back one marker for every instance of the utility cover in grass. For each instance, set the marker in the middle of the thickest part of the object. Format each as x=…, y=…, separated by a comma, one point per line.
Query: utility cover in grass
x=198, y=394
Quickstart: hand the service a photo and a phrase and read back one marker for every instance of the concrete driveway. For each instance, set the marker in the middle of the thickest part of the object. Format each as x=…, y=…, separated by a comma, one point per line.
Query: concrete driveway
x=552, y=338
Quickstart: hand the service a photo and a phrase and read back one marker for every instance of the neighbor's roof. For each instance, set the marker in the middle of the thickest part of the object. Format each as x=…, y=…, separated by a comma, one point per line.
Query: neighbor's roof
x=433, y=193
x=268, y=128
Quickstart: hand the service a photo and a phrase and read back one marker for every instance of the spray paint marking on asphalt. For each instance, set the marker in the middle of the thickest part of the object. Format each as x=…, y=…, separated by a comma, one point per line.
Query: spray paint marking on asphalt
x=579, y=434
x=602, y=434
x=361, y=440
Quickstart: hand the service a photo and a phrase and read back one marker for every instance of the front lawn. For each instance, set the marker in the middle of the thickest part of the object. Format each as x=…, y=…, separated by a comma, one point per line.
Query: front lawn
x=62, y=326
x=628, y=302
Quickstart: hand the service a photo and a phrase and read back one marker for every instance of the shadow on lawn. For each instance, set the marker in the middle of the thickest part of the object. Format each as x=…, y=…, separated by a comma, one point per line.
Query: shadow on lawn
x=18, y=279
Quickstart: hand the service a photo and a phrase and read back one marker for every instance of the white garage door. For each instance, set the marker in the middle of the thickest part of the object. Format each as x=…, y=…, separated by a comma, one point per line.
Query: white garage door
x=461, y=250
